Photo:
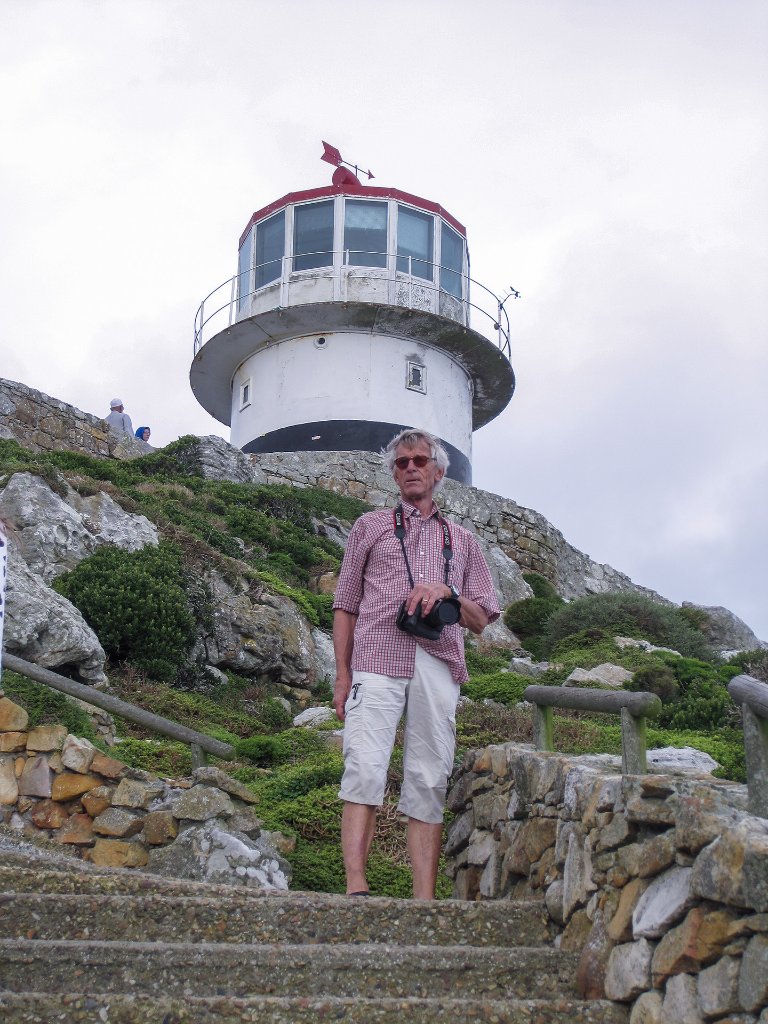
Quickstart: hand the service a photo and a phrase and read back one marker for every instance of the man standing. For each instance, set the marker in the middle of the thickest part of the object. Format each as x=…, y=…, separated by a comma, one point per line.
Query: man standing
x=118, y=419
x=398, y=564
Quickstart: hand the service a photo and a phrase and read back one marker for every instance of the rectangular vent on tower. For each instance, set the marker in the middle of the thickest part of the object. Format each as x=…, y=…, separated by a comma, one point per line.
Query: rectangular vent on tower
x=245, y=394
x=416, y=377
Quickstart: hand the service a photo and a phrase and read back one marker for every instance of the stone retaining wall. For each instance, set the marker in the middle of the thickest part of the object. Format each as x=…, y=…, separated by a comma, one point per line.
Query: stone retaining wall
x=524, y=535
x=59, y=787
x=44, y=424
x=660, y=880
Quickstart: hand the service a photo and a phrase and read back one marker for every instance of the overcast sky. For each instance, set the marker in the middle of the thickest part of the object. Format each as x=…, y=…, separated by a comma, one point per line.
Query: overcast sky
x=607, y=158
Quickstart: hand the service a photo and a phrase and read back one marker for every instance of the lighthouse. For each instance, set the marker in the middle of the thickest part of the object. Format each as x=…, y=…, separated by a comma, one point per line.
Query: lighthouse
x=351, y=316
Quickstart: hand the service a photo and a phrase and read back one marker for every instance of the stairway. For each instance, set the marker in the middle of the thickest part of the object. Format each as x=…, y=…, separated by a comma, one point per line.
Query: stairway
x=119, y=947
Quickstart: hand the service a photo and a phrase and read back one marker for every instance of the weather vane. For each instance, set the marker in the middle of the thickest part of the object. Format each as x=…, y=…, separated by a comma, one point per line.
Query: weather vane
x=341, y=176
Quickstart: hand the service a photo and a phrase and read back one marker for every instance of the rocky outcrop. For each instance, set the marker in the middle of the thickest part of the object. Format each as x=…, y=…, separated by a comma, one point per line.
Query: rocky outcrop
x=724, y=630
x=659, y=881
x=59, y=787
x=44, y=424
x=55, y=530
x=50, y=533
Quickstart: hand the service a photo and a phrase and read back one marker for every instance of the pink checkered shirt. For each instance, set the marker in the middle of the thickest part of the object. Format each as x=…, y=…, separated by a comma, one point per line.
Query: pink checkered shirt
x=373, y=583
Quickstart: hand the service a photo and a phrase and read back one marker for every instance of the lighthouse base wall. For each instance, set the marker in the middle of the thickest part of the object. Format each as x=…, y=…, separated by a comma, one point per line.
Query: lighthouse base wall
x=349, y=435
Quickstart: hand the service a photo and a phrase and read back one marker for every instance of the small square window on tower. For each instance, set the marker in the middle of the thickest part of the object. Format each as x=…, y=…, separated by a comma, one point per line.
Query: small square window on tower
x=245, y=394
x=416, y=377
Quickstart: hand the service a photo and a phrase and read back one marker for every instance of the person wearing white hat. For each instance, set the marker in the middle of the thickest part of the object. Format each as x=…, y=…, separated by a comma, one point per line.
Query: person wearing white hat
x=118, y=419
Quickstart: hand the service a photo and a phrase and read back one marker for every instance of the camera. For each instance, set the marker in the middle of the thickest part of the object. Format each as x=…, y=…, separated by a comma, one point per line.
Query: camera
x=445, y=612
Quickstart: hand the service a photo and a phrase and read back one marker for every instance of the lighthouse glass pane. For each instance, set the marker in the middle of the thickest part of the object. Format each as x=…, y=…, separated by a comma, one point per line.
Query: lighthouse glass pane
x=244, y=271
x=313, y=235
x=414, y=239
x=451, y=260
x=270, y=249
x=365, y=233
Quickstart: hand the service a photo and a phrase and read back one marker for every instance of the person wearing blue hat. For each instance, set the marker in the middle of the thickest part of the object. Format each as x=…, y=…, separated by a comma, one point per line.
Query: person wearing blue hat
x=143, y=434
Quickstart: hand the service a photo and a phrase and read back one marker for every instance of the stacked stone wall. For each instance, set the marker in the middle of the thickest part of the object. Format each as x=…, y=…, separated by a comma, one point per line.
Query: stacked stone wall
x=44, y=424
x=61, y=788
x=661, y=881
x=522, y=534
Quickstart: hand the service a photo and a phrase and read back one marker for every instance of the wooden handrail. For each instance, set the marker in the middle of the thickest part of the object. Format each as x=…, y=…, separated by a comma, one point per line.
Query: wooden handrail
x=198, y=741
x=634, y=708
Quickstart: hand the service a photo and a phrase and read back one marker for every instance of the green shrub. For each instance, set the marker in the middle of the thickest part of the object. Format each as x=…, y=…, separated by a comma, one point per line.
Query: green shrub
x=482, y=664
x=262, y=750
x=751, y=663
x=136, y=604
x=627, y=614
x=528, y=620
x=504, y=687
x=541, y=587
x=166, y=758
x=658, y=679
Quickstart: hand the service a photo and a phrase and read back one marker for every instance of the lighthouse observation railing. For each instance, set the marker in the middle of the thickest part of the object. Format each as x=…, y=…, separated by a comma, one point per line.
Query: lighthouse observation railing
x=349, y=280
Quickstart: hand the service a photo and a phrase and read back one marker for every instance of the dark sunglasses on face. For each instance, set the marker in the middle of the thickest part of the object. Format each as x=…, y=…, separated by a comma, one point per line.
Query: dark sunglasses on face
x=419, y=461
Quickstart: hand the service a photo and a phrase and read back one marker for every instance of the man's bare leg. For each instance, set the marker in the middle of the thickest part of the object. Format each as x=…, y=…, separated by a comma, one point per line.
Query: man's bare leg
x=358, y=823
x=424, y=843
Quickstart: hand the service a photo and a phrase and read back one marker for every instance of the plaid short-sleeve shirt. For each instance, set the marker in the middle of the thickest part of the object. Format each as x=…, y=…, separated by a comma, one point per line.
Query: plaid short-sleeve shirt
x=373, y=583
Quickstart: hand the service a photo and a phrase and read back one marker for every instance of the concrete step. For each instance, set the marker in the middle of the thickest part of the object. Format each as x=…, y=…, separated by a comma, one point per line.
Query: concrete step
x=36, y=1008
x=367, y=971
x=241, y=916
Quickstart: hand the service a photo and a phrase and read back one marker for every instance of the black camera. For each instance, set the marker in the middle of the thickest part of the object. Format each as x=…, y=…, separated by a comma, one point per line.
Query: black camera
x=445, y=612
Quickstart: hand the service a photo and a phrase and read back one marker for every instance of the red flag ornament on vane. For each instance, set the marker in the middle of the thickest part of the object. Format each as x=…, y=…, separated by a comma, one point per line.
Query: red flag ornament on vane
x=331, y=155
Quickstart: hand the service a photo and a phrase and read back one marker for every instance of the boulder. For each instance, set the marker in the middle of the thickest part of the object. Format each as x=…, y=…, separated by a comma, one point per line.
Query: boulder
x=324, y=666
x=258, y=634
x=43, y=627
x=207, y=853
x=681, y=759
x=216, y=459
x=606, y=675
x=507, y=575
x=315, y=716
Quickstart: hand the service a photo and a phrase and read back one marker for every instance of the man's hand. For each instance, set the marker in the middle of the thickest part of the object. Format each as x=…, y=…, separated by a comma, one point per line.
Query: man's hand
x=341, y=690
x=427, y=593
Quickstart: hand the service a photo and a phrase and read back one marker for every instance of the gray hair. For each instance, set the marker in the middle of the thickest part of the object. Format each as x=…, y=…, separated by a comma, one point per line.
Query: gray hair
x=410, y=437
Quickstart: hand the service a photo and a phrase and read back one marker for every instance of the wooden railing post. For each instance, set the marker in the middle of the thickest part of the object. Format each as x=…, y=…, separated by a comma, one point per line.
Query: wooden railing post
x=753, y=697
x=543, y=729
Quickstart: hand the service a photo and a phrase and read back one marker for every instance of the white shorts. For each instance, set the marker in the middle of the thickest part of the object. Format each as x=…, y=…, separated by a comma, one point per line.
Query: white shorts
x=372, y=713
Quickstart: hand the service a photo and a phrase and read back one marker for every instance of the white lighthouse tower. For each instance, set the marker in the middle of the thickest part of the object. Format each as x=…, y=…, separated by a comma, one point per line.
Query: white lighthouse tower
x=352, y=315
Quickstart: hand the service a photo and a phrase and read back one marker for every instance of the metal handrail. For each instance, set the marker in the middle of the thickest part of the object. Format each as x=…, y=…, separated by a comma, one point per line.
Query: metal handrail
x=198, y=741
x=634, y=708
x=338, y=269
x=752, y=695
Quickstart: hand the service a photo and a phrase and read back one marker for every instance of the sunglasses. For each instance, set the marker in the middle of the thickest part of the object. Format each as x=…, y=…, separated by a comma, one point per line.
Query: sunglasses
x=419, y=461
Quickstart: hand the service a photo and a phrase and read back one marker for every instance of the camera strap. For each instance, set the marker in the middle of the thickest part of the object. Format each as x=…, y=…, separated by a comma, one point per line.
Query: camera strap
x=399, y=519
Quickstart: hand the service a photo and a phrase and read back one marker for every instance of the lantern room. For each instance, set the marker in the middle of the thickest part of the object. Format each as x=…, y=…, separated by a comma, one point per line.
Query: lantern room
x=350, y=317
